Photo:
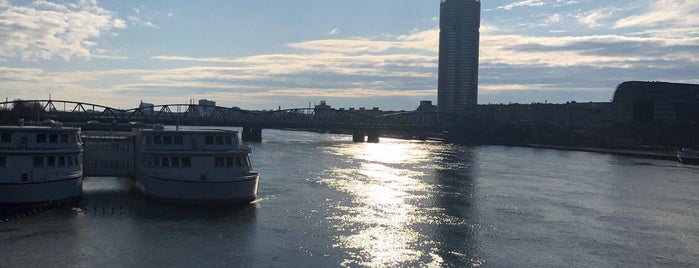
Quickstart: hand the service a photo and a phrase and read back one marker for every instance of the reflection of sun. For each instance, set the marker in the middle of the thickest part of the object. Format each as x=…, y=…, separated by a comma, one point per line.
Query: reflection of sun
x=380, y=221
x=388, y=151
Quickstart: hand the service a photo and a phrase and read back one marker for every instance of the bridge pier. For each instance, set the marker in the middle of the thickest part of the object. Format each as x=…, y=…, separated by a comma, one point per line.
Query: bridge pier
x=373, y=136
x=251, y=134
x=358, y=136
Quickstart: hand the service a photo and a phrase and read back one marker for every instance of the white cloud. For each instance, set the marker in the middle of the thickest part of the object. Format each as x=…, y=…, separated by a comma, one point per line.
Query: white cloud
x=565, y=2
x=524, y=3
x=611, y=51
x=592, y=19
x=555, y=18
x=136, y=21
x=665, y=14
x=335, y=31
x=45, y=30
x=392, y=65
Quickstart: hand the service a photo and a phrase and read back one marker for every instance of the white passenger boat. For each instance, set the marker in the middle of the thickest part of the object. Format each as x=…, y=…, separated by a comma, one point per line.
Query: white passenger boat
x=200, y=166
x=688, y=156
x=40, y=163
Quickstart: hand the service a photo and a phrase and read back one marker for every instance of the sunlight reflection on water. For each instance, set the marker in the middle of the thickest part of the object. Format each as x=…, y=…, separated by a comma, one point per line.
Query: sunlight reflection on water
x=379, y=222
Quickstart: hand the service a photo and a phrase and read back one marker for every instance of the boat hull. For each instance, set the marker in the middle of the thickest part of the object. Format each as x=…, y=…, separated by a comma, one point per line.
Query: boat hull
x=242, y=190
x=13, y=193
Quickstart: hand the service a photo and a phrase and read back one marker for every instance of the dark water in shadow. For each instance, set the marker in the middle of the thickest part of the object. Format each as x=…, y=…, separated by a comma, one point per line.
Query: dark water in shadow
x=325, y=201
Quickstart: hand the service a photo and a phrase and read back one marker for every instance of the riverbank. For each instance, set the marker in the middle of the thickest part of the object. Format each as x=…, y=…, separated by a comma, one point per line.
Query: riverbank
x=652, y=153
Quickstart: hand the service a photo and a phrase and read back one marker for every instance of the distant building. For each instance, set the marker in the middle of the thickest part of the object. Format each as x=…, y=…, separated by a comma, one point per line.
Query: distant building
x=656, y=102
x=426, y=106
x=323, y=106
x=458, y=55
x=208, y=106
x=205, y=102
x=146, y=108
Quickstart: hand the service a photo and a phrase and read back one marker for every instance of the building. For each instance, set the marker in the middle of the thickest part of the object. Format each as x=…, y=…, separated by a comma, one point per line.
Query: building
x=207, y=106
x=323, y=106
x=426, y=106
x=205, y=102
x=657, y=103
x=458, y=55
x=146, y=108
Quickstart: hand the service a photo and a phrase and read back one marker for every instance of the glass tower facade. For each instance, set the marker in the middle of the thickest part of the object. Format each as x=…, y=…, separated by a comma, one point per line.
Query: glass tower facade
x=459, y=36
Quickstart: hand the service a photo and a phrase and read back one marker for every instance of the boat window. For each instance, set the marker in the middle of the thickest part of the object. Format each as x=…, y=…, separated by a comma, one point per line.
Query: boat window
x=218, y=161
x=3, y=161
x=209, y=140
x=77, y=160
x=238, y=161
x=229, y=140
x=64, y=138
x=166, y=161
x=157, y=139
x=38, y=161
x=219, y=140
x=229, y=161
x=70, y=161
x=175, y=161
x=167, y=140
x=179, y=140
x=6, y=138
x=156, y=162
x=247, y=161
x=53, y=138
x=61, y=161
x=41, y=138
x=51, y=161
x=186, y=162
x=148, y=139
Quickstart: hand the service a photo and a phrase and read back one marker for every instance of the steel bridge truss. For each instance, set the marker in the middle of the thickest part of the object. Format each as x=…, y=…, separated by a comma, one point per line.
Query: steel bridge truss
x=191, y=114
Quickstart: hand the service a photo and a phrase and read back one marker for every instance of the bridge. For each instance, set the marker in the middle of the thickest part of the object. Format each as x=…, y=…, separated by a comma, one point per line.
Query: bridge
x=359, y=123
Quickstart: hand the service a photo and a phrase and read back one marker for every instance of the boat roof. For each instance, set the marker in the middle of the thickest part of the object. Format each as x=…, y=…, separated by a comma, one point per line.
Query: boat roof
x=38, y=128
x=190, y=131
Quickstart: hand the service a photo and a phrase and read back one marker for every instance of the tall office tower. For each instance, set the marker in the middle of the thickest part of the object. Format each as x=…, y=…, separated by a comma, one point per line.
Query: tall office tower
x=459, y=24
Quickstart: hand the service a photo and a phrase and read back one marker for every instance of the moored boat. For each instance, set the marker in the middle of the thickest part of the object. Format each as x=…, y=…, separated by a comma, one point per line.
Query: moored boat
x=688, y=156
x=40, y=163
x=194, y=166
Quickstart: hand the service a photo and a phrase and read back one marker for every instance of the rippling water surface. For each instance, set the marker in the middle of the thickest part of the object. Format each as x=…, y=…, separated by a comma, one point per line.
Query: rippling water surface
x=325, y=201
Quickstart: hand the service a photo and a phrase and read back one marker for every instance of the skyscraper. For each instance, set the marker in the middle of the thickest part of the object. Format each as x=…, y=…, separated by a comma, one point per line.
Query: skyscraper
x=459, y=23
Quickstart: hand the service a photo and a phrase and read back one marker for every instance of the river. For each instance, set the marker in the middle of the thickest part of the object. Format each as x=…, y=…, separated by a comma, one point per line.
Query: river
x=324, y=201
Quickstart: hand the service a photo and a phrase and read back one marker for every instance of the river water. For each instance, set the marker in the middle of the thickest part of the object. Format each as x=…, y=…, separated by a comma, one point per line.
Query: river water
x=327, y=202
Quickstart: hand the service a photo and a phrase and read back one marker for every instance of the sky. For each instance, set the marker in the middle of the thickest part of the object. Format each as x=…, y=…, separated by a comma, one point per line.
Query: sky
x=361, y=53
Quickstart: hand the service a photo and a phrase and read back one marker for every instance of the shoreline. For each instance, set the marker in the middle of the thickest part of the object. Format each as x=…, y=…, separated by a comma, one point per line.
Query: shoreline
x=666, y=155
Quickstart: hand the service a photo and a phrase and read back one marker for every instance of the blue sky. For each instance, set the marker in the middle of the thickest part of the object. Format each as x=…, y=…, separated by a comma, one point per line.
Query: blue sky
x=359, y=53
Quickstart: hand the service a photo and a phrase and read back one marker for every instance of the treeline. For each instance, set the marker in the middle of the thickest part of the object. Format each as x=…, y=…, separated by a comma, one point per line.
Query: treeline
x=28, y=110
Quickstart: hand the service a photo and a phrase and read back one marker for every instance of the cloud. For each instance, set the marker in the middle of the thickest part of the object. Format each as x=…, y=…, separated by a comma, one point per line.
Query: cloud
x=396, y=69
x=524, y=3
x=592, y=19
x=665, y=14
x=44, y=30
x=555, y=18
x=335, y=31
x=136, y=21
